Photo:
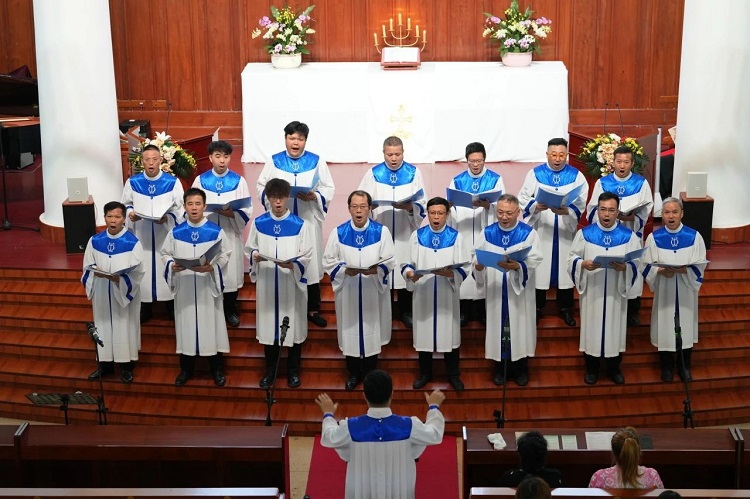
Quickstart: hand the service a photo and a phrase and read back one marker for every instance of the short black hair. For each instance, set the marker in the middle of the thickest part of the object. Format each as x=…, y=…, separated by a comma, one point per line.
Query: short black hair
x=557, y=141
x=194, y=191
x=278, y=188
x=151, y=147
x=220, y=146
x=670, y=494
x=606, y=196
x=378, y=387
x=475, y=147
x=439, y=201
x=297, y=127
x=393, y=141
x=359, y=193
x=533, y=487
x=623, y=150
x=113, y=205
x=532, y=449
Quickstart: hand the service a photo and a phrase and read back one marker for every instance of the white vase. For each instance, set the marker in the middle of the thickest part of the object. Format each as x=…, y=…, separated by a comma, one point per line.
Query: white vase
x=286, y=61
x=517, y=59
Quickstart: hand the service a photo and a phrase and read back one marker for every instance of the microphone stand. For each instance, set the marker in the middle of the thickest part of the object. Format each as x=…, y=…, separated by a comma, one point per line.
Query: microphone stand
x=499, y=416
x=687, y=410
x=272, y=387
x=101, y=407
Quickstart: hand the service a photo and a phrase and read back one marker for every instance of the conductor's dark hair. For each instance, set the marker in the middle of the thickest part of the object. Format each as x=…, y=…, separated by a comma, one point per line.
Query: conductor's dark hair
x=220, y=146
x=359, y=193
x=670, y=494
x=533, y=487
x=278, y=188
x=393, y=141
x=194, y=191
x=475, y=147
x=438, y=201
x=623, y=150
x=151, y=147
x=297, y=127
x=557, y=141
x=378, y=387
x=113, y=205
x=606, y=196
x=532, y=449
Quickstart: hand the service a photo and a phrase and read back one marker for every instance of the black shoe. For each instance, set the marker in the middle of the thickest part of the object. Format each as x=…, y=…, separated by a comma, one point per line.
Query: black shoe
x=352, y=382
x=633, y=320
x=421, y=381
x=667, y=375
x=498, y=379
x=99, y=373
x=232, y=319
x=265, y=381
x=590, y=379
x=293, y=380
x=182, y=378
x=406, y=319
x=522, y=379
x=463, y=320
x=317, y=319
x=617, y=378
x=127, y=377
x=456, y=383
x=219, y=378
x=567, y=317
x=685, y=374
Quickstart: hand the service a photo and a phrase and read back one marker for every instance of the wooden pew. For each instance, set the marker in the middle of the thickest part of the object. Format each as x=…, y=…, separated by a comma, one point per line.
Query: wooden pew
x=125, y=493
x=153, y=456
x=699, y=458
x=585, y=493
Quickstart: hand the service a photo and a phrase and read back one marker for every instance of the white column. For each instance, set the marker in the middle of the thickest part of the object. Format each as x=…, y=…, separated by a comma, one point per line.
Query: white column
x=77, y=102
x=713, y=114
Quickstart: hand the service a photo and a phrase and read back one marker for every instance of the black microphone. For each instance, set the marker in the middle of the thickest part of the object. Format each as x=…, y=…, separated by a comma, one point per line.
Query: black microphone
x=619, y=113
x=94, y=334
x=284, y=327
x=604, y=125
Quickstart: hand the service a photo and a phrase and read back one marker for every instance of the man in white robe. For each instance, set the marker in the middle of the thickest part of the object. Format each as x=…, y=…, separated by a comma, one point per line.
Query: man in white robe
x=359, y=258
x=509, y=287
x=555, y=226
x=391, y=182
x=380, y=447
x=604, y=290
x=470, y=222
x=112, y=271
x=199, y=311
x=154, y=202
x=222, y=187
x=302, y=168
x=280, y=247
x=681, y=254
x=636, y=203
x=438, y=264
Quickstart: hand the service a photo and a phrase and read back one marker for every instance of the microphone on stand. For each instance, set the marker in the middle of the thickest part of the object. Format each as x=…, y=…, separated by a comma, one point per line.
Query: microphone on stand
x=283, y=329
x=619, y=113
x=94, y=333
x=604, y=126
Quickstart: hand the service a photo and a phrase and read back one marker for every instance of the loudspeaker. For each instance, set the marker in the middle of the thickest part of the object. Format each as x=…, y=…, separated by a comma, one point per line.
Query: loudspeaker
x=80, y=224
x=699, y=214
x=697, y=184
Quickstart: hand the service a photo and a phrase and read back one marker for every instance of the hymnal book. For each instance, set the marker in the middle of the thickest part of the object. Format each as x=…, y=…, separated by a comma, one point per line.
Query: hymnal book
x=400, y=57
x=465, y=199
x=599, y=440
x=389, y=202
x=360, y=267
x=279, y=260
x=304, y=189
x=490, y=258
x=555, y=199
x=153, y=218
x=235, y=205
x=207, y=257
x=677, y=266
x=604, y=261
x=628, y=208
x=430, y=271
x=96, y=269
x=569, y=442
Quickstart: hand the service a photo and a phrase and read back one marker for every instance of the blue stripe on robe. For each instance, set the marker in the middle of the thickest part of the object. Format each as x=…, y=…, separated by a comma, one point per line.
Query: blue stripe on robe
x=389, y=429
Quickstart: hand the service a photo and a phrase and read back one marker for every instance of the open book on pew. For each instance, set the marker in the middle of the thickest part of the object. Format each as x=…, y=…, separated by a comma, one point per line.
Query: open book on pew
x=207, y=257
x=237, y=204
x=390, y=202
x=466, y=199
x=119, y=272
x=555, y=199
x=605, y=260
x=490, y=258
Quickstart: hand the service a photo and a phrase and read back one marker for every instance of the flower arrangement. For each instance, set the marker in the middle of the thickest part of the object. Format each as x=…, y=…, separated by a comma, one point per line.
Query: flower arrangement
x=599, y=154
x=518, y=32
x=288, y=32
x=175, y=160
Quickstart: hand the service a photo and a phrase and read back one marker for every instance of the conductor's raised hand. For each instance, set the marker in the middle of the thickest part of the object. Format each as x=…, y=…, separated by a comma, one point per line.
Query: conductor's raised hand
x=326, y=404
x=435, y=398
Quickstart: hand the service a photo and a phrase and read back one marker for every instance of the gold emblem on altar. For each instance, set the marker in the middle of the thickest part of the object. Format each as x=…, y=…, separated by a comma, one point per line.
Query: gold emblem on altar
x=401, y=118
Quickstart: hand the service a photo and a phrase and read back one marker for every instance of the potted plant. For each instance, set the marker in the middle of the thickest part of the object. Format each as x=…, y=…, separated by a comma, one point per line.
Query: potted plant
x=287, y=35
x=518, y=35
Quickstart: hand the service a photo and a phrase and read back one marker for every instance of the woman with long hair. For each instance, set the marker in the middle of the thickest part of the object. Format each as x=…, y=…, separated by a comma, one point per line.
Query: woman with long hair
x=626, y=473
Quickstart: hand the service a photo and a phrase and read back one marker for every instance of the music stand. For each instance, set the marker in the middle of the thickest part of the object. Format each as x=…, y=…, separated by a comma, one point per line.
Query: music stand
x=63, y=400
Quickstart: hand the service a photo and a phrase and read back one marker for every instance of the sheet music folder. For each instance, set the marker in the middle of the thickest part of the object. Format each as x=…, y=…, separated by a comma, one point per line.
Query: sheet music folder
x=62, y=399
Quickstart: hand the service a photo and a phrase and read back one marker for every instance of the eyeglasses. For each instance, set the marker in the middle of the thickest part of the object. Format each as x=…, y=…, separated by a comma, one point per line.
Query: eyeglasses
x=608, y=210
x=359, y=207
x=475, y=161
x=436, y=213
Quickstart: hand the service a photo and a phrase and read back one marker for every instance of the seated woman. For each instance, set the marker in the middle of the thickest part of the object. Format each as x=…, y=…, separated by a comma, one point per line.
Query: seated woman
x=532, y=449
x=626, y=473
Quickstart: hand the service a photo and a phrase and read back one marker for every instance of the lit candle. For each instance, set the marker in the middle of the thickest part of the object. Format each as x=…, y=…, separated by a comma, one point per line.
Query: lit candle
x=408, y=23
x=375, y=36
x=399, y=19
x=417, y=30
x=384, y=31
x=391, y=20
x=424, y=36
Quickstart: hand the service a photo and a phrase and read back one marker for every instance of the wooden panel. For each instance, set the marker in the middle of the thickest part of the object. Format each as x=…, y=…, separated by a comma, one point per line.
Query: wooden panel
x=17, y=35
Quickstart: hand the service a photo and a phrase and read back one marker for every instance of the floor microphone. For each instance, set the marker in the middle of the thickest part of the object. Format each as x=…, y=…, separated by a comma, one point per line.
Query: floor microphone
x=94, y=333
x=284, y=327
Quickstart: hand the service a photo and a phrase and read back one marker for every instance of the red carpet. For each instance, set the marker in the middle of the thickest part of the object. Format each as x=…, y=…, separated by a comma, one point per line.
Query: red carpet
x=437, y=472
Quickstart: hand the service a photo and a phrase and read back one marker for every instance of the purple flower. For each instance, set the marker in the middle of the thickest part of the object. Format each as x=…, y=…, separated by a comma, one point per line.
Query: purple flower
x=509, y=42
x=264, y=21
x=495, y=20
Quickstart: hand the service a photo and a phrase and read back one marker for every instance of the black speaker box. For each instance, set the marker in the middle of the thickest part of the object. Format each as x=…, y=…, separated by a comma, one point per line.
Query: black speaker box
x=80, y=224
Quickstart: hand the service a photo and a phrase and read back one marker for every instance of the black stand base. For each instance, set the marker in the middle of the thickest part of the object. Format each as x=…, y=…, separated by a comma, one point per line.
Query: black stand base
x=63, y=400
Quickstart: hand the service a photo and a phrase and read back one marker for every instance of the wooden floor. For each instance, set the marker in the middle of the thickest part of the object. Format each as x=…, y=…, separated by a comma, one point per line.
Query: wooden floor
x=44, y=348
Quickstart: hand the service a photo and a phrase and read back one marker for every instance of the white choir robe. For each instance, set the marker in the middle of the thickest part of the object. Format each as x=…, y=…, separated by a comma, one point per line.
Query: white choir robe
x=632, y=190
x=363, y=302
x=604, y=292
x=306, y=170
x=221, y=189
x=436, y=301
x=280, y=292
x=116, y=306
x=382, y=183
x=684, y=246
x=470, y=222
x=198, y=302
x=555, y=231
x=380, y=448
x=161, y=194
x=512, y=291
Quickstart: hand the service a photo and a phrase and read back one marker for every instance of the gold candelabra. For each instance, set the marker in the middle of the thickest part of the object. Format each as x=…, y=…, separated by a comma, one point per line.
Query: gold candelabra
x=401, y=39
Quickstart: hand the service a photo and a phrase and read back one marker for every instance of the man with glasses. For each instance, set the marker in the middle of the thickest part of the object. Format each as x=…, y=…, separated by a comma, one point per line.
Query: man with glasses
x=556, y=226
x=604, y=289
x=470, y=222
x=359, y=258
x=438, y=264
